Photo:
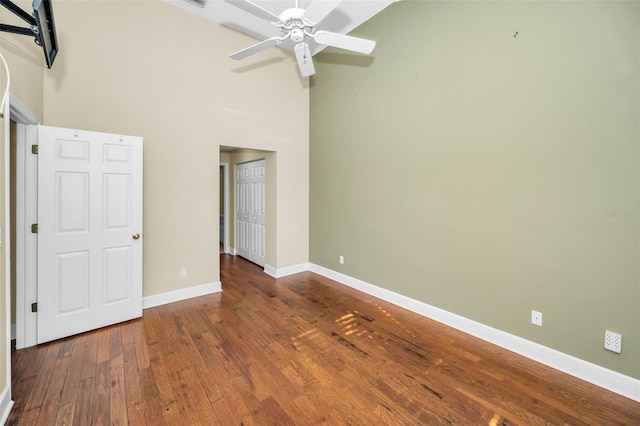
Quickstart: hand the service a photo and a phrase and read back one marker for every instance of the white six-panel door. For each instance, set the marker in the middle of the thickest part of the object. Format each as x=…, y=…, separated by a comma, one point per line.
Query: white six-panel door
x=89, y=230
x=250, y=211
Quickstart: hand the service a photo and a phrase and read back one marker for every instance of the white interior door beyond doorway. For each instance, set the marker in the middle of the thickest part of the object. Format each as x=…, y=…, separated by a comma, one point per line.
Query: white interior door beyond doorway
x=250, y=211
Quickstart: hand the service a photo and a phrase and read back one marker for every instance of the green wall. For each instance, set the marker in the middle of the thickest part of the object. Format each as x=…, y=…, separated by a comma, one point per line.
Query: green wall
x=485, y=160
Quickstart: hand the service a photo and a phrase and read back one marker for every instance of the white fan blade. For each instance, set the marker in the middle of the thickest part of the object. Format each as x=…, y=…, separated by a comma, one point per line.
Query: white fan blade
x=342, y=41
x=254, y=9
x=305, y=63
x=258, y=47
x=319, y=9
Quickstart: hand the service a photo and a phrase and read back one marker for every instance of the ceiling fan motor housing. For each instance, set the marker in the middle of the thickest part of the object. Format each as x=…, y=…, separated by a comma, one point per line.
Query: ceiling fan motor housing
x=293, y=24
x=292, y=13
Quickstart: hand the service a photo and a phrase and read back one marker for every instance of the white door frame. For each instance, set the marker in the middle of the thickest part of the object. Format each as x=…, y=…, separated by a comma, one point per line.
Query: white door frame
x=225, y=186
x=26, y=213
x=5, y=388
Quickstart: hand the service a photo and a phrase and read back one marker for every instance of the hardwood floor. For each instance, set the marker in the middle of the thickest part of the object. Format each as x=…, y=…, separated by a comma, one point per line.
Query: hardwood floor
x=298, y=350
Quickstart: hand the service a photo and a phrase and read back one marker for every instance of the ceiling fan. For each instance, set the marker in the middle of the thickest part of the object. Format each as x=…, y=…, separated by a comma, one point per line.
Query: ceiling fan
x=299, y=25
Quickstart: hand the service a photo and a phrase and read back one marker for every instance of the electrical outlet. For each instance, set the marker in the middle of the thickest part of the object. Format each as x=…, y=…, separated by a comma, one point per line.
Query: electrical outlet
x=613, y=341
x=183, y=273
x=536, y=318
x=342, y=260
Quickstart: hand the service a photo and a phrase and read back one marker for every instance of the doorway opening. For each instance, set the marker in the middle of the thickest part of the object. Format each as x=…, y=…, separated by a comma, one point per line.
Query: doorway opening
x=118, y=205
x=23, y=245
x=233, y=159
x=224, y=208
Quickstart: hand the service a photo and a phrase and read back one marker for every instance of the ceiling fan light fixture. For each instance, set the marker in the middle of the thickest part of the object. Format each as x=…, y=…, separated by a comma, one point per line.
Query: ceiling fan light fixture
x=297, y=24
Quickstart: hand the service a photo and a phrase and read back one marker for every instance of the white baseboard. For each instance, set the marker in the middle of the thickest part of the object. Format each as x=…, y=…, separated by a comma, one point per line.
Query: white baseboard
x=5, y=405
x=289, y=270
x=182, y=294
x=231, y=251
x=13, y=331
x=608, y=379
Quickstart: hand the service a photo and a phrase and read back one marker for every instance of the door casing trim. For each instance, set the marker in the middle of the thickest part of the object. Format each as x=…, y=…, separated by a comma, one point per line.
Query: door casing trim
x=26, y=213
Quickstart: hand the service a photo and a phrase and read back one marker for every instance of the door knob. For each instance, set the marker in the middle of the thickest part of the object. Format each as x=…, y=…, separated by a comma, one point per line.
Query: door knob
x=135, y=236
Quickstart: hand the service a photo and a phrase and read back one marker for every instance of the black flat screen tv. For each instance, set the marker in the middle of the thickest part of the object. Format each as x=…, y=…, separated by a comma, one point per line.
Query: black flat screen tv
x=46, y=36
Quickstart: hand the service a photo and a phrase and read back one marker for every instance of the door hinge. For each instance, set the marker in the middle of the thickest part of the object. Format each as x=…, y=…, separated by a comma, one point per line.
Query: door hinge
x=34, y=228
x=34, y=149
x=34, y=307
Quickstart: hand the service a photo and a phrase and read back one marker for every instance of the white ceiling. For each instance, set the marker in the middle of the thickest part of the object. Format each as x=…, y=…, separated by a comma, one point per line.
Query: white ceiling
x=346, y=17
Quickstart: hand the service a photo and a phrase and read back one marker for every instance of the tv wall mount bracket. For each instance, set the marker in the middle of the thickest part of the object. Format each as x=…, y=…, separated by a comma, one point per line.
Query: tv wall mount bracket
x=31, y=31
x=41, y=26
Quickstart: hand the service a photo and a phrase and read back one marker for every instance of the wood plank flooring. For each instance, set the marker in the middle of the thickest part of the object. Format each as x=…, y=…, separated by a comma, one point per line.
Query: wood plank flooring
x=299, y=350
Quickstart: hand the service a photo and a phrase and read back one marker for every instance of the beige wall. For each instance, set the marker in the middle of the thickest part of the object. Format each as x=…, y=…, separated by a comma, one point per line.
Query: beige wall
x=147, y=68
x=164, y=74
x=488, y=173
